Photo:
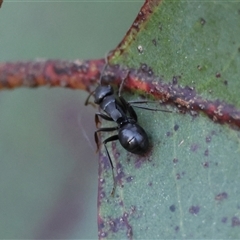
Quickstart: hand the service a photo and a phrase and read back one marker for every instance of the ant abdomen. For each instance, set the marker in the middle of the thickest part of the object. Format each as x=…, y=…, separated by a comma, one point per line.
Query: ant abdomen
x=133, y=138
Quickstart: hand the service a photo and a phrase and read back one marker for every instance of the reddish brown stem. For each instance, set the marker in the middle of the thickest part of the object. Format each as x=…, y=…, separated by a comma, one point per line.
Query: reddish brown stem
x=55, y=73
x=85, y=74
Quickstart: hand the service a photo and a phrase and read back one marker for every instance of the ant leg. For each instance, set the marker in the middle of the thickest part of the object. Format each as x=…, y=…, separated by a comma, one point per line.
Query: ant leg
x=110, y=139
x=131, y=104
x=122, y=83
x=129, y=108
x=102, y=130
x=87, y=100
x=152, y=109
x=102, y=115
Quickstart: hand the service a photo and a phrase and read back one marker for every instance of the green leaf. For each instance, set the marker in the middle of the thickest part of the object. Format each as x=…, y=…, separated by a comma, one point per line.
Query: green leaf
x=187, y=185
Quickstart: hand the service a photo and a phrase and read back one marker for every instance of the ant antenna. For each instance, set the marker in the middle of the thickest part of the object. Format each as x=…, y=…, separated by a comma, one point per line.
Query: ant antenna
x=100, y=78
x=105, y=66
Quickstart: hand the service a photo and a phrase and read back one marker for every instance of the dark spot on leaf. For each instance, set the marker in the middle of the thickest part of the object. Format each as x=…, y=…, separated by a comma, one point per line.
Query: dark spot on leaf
x=154, y=42
x=138, y=163
x=105, y=162
x=224, y=219
x=177, y=228
x=178, y=176
x=120, y=172
x=218, y=75
x=150, y=72
x=208, y=139
x=113, y=226
x=120, y=224
x=194, y=210
x=172, y=208
x=176, y=127
x=206, y=164
x=101, y=224
x=235, y=222
x=144, y=67
x=213, y=133
x=225, y=82
x=169, y=134
x=150, y=184
x=129, y=179
x=160, y=26
x=202, y=21
x=206, y=152
x=221, y=196
x=174, y=80
x=175, y=160
x=194, y=147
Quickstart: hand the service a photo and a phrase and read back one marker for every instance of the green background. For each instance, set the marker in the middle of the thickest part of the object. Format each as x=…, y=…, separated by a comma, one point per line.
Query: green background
x=48, y=165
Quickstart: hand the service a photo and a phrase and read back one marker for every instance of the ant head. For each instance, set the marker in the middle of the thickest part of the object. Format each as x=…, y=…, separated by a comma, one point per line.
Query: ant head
x=101, y=92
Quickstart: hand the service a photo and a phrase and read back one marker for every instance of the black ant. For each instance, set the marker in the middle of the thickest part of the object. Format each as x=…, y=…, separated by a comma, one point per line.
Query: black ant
x=130, y=134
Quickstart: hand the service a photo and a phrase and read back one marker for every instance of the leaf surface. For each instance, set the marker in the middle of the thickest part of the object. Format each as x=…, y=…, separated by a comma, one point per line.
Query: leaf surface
x=187, y=185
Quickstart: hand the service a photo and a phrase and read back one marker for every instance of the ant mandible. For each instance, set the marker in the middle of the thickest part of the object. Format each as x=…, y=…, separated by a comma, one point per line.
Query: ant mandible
x=115, y=108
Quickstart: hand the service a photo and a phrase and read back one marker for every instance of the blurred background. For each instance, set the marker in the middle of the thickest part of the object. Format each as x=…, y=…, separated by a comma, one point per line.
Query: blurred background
x=48, y=165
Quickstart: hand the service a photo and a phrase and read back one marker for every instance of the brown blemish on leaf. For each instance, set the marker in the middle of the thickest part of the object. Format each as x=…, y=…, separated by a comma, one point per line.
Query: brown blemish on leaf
x=221, y=196
x=169, y=134
x=176, y=127
x=115, y=225
x=224, y=220
x=194, y=147
x=208, y=139
x=206, y=153
x=235, y=222
x=218, y=75
x=206, y=164
x=202, y=21
x=194, y=210
x=154, y=41
x=175, y=160
x=199, y=67
x=172, y=208
x=178, y=176
x=129, y=179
